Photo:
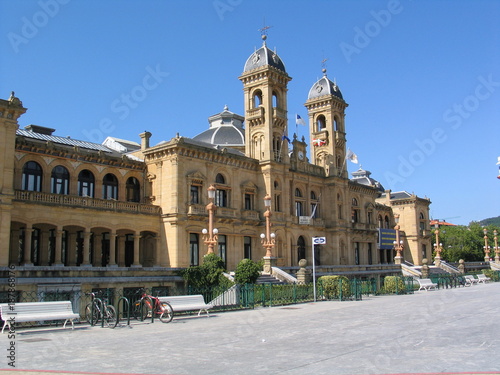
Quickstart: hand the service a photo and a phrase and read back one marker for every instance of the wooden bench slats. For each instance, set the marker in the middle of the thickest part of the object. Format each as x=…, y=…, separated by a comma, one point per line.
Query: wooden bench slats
x=37, y=311
x=187, y=303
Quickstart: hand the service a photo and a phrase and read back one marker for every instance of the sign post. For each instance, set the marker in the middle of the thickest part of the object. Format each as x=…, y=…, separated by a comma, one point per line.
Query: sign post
x=316, y=241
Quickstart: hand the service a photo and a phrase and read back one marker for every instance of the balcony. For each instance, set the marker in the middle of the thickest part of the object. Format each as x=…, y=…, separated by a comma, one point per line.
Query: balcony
x=85, y=202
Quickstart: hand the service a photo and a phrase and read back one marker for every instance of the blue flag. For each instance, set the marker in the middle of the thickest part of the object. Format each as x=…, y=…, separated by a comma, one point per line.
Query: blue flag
x=299, y=121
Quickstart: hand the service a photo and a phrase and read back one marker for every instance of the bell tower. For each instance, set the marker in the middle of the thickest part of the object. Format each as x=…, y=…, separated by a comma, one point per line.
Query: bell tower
x=265, y=89
x=326, y=109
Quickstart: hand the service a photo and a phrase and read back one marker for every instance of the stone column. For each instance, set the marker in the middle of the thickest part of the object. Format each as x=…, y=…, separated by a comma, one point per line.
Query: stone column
x=97, y=256
x=137, y=238
x=112, y=249
x=43, y=243
x=157, y=260
x=121, y=251
x=28, y=231
x=86, y=249
x=58, y=249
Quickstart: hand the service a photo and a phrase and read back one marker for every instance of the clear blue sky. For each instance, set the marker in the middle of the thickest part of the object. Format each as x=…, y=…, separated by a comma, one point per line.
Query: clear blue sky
x=422, y=78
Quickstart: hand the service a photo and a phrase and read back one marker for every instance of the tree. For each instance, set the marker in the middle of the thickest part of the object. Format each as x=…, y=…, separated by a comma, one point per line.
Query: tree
x=208, y=275
x=247, y=272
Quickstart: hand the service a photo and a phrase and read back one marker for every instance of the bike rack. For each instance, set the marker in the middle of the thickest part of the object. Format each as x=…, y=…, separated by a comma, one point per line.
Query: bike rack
x=125, y=302
x=152, y=309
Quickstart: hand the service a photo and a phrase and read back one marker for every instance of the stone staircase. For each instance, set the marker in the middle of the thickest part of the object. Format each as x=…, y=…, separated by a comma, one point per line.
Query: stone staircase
x=269, y=279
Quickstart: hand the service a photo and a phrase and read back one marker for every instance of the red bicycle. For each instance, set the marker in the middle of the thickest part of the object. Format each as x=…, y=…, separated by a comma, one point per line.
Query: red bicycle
x=148, y=306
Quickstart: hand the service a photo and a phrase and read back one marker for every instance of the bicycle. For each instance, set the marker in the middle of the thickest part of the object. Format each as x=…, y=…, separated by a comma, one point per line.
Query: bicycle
x=149, y=307
x=99, y=309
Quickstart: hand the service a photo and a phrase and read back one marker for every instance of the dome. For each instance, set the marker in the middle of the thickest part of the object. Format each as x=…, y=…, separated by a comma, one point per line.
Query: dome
x=324, y=87
x=363, y=177
x=226, y=129
x=264, y=56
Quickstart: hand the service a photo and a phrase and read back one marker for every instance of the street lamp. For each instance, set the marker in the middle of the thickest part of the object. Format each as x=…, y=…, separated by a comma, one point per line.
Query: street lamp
x=398, y=244
x=486, y=248
x=497, y=250
x=210, y=236
x=438, y=247
x=268, y=239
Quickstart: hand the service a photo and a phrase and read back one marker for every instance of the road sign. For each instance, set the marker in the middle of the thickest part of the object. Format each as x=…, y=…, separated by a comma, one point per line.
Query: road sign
x=319, y=240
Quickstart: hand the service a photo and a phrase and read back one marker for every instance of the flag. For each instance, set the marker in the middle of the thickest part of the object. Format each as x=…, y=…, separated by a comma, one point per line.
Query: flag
x=287, y=139
x=352, y=156
x=299, y=120
x=319, y=142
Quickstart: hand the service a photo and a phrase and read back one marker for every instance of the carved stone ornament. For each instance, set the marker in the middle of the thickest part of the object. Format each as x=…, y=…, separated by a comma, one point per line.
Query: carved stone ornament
x=255, y=58
x=151, y=176
x=319, y=88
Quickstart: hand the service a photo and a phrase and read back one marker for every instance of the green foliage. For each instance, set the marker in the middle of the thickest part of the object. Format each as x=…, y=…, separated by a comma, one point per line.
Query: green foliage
x=209, y=274
x=464, y=242
x=247, y=272
x=491, y=221
x=335, y=287
x=393, y=285
x=493, y=275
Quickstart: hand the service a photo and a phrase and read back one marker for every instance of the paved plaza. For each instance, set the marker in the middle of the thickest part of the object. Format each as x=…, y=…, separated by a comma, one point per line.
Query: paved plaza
x=443, y=331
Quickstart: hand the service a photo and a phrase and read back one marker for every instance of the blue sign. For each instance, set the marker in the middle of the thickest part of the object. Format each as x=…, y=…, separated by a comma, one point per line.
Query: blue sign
x=386, y=238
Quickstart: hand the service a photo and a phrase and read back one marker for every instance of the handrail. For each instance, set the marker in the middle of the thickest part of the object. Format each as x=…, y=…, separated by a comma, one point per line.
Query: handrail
x=448, y=267
x=410, y=270
x=283, y=276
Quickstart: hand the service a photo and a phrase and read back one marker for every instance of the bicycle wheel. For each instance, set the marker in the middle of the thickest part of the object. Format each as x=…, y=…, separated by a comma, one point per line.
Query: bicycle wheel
x=110, y=316
x=167, y=313
x=137, y=310
x=92, y=316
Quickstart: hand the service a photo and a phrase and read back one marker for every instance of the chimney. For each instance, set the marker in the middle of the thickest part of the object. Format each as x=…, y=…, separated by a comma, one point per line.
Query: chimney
x=145, y=139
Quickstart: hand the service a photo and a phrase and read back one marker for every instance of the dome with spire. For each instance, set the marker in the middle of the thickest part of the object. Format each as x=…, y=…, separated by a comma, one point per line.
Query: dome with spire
x=324, y=87
x=264, y=56
x=226, y=129
x=363, y=177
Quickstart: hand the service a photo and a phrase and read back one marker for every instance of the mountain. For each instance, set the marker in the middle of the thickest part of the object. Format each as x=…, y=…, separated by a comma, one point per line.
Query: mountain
x=491, y=221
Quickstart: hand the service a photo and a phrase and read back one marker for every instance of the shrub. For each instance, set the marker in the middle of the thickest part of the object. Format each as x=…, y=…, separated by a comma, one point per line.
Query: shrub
x=247, y=272
x=335, y=287
x=208, y=275
x=393, y=284
x=493, y=275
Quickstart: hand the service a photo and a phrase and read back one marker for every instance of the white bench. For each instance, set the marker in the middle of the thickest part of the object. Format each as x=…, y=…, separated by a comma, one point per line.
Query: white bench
x=426, y=284
x=187, y=303
x=482, y=278
x=471, y=279
x=37, y=311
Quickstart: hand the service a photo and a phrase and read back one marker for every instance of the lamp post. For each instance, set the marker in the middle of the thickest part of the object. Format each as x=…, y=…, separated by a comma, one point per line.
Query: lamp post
x=268, y=239
x=210, y=236
x=438, y=247
x=486, y=248
x=497, y=250
x=398, y=244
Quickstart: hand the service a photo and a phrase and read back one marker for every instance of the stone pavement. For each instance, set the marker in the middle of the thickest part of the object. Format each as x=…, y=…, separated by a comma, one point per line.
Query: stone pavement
x=444, y=331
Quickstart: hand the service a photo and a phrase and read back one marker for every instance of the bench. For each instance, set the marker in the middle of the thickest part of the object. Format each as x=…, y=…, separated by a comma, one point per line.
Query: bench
x=426, y=284
x=37, y=311
x=471, y=279
x=187, y=303
x=482, y=278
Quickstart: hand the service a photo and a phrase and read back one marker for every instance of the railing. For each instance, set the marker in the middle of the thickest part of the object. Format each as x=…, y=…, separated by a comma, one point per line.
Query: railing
x=283, y=276
x=85, y=202
x=448, y=267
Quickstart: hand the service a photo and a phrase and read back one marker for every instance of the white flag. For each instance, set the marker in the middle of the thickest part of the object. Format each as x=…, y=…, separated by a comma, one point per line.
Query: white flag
x=299, y=120
x=352, y=156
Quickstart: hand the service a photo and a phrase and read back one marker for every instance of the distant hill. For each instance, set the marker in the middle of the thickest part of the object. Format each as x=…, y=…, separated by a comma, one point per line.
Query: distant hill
x=491, y=221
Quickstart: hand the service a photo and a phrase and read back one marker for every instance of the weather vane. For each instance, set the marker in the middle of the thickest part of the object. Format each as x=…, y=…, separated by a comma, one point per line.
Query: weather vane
x=263, y=30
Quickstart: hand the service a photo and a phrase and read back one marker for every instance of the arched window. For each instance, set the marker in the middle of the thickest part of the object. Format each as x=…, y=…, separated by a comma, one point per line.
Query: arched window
x=133, y=190
x=422, y=222
x=276, y=102
x=277, y=197
x=86, y=184
x=221, y=194
x=380, y=223
x=299, y=203
x=110, y=187
x=386, y=222
x=320, y=123
x=257, y=98
x=336, y=124
x=301, y=248
x=32, y=176
x=59, y=180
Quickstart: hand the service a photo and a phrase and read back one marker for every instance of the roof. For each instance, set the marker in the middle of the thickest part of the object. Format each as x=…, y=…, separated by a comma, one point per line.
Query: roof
x=363, y=177
x=264, y=56
x=63, y=140
x=226, y=129
x=324, y=87
x=121, y=145
x=434, y=222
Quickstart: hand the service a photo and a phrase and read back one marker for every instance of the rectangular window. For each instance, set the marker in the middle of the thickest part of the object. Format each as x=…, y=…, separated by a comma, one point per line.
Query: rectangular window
x=356, y=253
x=370, y=255
x=222, y=248
x=247, y=247
x=221, y=198
x=248, y=201
x=194, y=249
x=195, y=194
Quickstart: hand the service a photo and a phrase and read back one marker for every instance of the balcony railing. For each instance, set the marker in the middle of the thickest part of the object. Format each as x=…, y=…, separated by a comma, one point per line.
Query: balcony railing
x=85, y=202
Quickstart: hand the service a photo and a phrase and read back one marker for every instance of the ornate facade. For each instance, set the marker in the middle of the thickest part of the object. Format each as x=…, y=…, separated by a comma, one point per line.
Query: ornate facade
x=123, y=214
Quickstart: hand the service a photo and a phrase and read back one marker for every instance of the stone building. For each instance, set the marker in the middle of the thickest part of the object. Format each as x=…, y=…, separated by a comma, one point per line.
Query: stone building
x=80, y=215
